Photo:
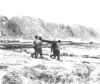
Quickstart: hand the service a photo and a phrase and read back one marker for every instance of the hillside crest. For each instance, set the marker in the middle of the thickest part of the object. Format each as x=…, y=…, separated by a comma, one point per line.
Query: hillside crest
x=26, y=27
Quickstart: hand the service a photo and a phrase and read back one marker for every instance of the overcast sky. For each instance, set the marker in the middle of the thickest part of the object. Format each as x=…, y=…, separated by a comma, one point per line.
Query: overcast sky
x=84, y=12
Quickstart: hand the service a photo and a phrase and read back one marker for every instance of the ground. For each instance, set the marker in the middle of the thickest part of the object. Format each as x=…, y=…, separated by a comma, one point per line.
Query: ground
x=78, y=65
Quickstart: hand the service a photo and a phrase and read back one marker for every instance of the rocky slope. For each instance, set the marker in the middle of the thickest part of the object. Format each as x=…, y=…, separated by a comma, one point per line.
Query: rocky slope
x=27, y=27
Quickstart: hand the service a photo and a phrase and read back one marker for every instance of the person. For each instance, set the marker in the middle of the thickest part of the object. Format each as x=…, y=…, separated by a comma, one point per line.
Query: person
x=53, y=48
x=34, y=46
x=39, y=47
x=58, y=50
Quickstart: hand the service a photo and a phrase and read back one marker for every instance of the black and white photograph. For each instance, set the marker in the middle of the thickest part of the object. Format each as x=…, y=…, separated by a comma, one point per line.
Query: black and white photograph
x=49, y=41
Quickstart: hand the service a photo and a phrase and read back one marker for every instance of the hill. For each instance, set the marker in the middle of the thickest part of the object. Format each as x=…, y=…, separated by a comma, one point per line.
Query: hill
x=26, y=27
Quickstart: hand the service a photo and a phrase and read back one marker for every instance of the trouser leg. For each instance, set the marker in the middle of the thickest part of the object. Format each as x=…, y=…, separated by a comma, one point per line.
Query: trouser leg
x=34, y=53
x=52, y=55
x=55, y=54
x=41, y=53
x=58, y=56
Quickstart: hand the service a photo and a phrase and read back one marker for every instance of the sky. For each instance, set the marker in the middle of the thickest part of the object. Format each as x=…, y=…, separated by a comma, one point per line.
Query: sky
x=84, y=12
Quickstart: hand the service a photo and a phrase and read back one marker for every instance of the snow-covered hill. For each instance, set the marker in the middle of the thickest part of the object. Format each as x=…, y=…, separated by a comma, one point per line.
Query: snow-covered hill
x=26, y=27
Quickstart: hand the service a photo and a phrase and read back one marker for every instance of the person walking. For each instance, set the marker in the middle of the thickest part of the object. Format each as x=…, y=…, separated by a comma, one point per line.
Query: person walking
x=34, y=46
x=39, y=47
x=53, y=49
x=57, y=50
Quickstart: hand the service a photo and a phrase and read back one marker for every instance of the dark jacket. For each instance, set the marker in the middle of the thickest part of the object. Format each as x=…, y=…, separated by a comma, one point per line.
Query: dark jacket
x=53, y=46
